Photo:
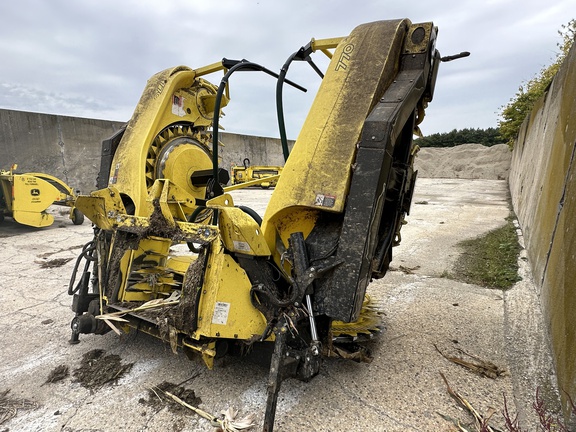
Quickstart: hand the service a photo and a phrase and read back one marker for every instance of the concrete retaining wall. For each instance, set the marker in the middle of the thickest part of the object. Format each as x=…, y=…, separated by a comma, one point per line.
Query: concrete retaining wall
x=66, y=147
x=260, y=150
x=69, y=147
x=543, y=188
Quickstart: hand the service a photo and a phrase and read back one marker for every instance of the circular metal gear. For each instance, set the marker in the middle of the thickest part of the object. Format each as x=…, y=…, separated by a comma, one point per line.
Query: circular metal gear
x=175, y=153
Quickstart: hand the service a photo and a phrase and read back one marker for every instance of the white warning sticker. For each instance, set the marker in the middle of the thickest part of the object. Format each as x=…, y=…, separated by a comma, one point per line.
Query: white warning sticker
x=178, y=106
x=221, y=311
x=114, y=177
x=325, y=200
x=241, y=246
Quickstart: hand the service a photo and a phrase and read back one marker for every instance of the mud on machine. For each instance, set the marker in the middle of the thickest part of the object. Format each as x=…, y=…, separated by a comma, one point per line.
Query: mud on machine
x=174, y=256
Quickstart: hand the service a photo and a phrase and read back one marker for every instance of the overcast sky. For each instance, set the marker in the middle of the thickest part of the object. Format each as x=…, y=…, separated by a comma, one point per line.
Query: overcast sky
x=91, y=58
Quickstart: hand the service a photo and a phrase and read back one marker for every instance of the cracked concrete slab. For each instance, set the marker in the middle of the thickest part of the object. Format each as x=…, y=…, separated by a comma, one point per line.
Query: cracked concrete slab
x=401, y=390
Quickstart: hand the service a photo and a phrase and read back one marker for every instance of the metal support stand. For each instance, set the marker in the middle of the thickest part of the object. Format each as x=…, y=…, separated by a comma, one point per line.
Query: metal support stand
x=276, y=375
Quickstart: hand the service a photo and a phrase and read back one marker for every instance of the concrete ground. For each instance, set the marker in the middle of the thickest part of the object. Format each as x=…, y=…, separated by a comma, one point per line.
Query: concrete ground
x=401, y=390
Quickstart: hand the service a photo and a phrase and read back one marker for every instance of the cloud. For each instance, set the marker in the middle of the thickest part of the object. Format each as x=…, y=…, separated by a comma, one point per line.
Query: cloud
x=25, y=98
x=92, y=58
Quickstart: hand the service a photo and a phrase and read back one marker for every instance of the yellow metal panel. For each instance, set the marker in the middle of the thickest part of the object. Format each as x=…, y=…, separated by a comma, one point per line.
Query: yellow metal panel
x=224, y=200
x=182, y=162
x=240, y=233
x=41, y=219
x=152, y=251
x=171, y=96
x=180, y=263
x=226, y=310
x=101, y=206
x=62, y=186
x=318, y=171
x=31, y=196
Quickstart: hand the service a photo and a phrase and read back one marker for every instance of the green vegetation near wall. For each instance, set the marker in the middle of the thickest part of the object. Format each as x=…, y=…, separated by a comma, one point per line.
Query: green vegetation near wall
x=490, y=260
x=514, y=112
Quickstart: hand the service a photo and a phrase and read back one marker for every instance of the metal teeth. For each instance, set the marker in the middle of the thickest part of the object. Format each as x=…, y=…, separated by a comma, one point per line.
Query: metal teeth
x=368, y=324
x=164, y=137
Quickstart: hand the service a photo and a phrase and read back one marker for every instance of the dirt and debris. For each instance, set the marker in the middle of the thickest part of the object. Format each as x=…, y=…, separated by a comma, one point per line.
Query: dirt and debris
x=478, y=365
x=161, y=227
x=158, y=399
x=408, y=270
x=123, y=241
x=57, y=374
x=185, y=318
x=49, y=254
x=355, y=352
x=480, y=420
x=9, y=406
x=97, y=369
x=56, y=262
x=226, y=423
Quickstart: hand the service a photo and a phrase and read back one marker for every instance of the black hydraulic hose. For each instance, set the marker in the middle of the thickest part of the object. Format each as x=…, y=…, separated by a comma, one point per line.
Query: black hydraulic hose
x=280, y=107
x=195, y=213
x=235, y=65
x=272, y=299
x=301, y=55
x=87, y=254
x=215, y=125
x=252, y=214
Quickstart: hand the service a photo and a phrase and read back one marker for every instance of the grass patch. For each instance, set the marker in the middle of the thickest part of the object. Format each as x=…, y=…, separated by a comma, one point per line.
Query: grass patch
x=490, y=260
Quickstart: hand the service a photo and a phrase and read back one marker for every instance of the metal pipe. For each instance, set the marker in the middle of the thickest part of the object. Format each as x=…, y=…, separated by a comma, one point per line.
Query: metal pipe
x=313, y=329
x=233, y=66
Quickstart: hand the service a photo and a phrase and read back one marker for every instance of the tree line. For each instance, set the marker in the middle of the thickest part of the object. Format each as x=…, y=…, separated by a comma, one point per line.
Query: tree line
x=487, y=137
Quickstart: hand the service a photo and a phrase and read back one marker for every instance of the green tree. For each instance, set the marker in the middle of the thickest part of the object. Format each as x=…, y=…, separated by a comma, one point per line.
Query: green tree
x=513, y=114
x=487, y=137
